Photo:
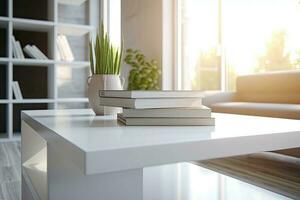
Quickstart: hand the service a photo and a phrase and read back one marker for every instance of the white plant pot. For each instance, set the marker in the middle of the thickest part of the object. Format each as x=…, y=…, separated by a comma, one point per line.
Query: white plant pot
x=98, y=82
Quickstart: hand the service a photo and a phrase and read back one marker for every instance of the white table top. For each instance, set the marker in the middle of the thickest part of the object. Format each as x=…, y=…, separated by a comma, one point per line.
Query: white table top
x=101, y=144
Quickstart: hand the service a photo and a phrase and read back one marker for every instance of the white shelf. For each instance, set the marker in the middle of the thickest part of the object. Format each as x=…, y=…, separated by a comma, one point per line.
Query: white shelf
x=33, y=101
x=73, y=63
x=74, y=29
x=42, y=25
x=31, y=62
x=4, y=19
x=4, y=60
x=4, y=101
x=32, y=25
x=72, y=100
x=52, y=28
x=71, y=2
x=37, y=62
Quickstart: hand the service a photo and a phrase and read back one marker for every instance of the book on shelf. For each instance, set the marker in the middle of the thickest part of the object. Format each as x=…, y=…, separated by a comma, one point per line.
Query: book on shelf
x=39, y=53
x=64, y=49
x=165, y=121
x=201, y=111
x=27, y=49
x=151, y=94
x=34, y=52
x=17, y=49
x=16, y=90
x=151, y=103
x=14, y=47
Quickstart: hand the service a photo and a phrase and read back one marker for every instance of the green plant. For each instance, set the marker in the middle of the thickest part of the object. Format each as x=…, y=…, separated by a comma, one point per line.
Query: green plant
x=105, y=58
x=144, y=74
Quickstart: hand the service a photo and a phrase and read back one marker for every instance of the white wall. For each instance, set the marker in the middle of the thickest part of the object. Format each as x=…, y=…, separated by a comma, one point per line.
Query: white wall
x=142, y=28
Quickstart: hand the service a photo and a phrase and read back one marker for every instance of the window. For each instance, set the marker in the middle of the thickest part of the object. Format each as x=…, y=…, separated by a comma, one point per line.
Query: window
x=114, y=18
x=111, y=18
x=221, y=39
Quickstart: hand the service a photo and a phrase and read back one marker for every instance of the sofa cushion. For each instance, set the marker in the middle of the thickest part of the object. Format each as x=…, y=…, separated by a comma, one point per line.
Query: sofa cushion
x=290, y=111
x=269, y=98
x=272, y=87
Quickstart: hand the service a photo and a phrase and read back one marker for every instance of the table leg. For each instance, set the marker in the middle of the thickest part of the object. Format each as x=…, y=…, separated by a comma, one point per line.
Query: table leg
x=66, y=181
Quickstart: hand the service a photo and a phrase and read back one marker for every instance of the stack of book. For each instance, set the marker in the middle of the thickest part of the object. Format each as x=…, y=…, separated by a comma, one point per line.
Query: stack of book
x=64, y=49
x=160, y=108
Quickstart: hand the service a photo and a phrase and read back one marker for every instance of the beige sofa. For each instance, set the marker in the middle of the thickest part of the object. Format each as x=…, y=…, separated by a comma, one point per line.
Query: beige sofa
x=274, y=94
x=269, y=94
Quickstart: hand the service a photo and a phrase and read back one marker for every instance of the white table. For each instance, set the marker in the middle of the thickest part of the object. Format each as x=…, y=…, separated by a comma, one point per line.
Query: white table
x=72, y=154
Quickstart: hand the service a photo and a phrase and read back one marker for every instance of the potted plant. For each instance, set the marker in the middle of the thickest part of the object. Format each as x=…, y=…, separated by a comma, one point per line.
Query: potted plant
x=105, y=64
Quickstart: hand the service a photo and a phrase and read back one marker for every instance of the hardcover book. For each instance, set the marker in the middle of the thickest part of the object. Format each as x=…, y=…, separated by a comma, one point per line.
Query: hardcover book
x=151, y=103
x=139, y=121
x=151, y=94
x=201, y=111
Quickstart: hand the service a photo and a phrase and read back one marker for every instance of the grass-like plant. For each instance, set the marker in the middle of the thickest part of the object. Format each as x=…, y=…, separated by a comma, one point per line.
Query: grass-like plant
x=105, y=58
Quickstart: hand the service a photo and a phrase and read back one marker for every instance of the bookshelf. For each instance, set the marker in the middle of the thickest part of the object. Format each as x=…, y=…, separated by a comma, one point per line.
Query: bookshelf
x=45, y=84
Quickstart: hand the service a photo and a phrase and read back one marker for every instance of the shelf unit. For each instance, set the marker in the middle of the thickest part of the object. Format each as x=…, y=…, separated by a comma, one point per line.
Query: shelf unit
x=45, y=84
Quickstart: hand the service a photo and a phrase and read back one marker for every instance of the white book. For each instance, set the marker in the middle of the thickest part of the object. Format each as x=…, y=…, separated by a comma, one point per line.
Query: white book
x=40, y=54
x=151, y=103
x=166, y=121
x=65, y=48
x=14, y=90
x=58, y=55
x=151, y=94
x=19, y=50
x=202, y=111
x=14, y=47
x=62, y=52
x=18, y=90
x=34, y=52
x=28, y=50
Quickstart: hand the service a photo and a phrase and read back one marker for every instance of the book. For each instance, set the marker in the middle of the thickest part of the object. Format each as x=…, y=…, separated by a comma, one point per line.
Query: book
x=138, y=121
x=29, y=51
x=61, y=53
x=151, y=94
x=151, y=103
x=39, y=53
x=202, y=111
x=67, y=48
x=34, y=53
x=19, y=50
x=14, y=47
x=64, y=48
x=17, y=90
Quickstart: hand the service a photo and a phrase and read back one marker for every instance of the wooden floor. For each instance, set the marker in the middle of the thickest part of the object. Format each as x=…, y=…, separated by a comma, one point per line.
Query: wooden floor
x=272, y=171
x=10, y=171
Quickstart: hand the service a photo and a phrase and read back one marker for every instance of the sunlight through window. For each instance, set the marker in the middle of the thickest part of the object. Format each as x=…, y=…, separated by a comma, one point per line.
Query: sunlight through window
x=227, y=38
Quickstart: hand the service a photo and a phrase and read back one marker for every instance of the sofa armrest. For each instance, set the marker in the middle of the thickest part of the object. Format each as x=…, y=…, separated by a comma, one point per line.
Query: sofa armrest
x=211, y=98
